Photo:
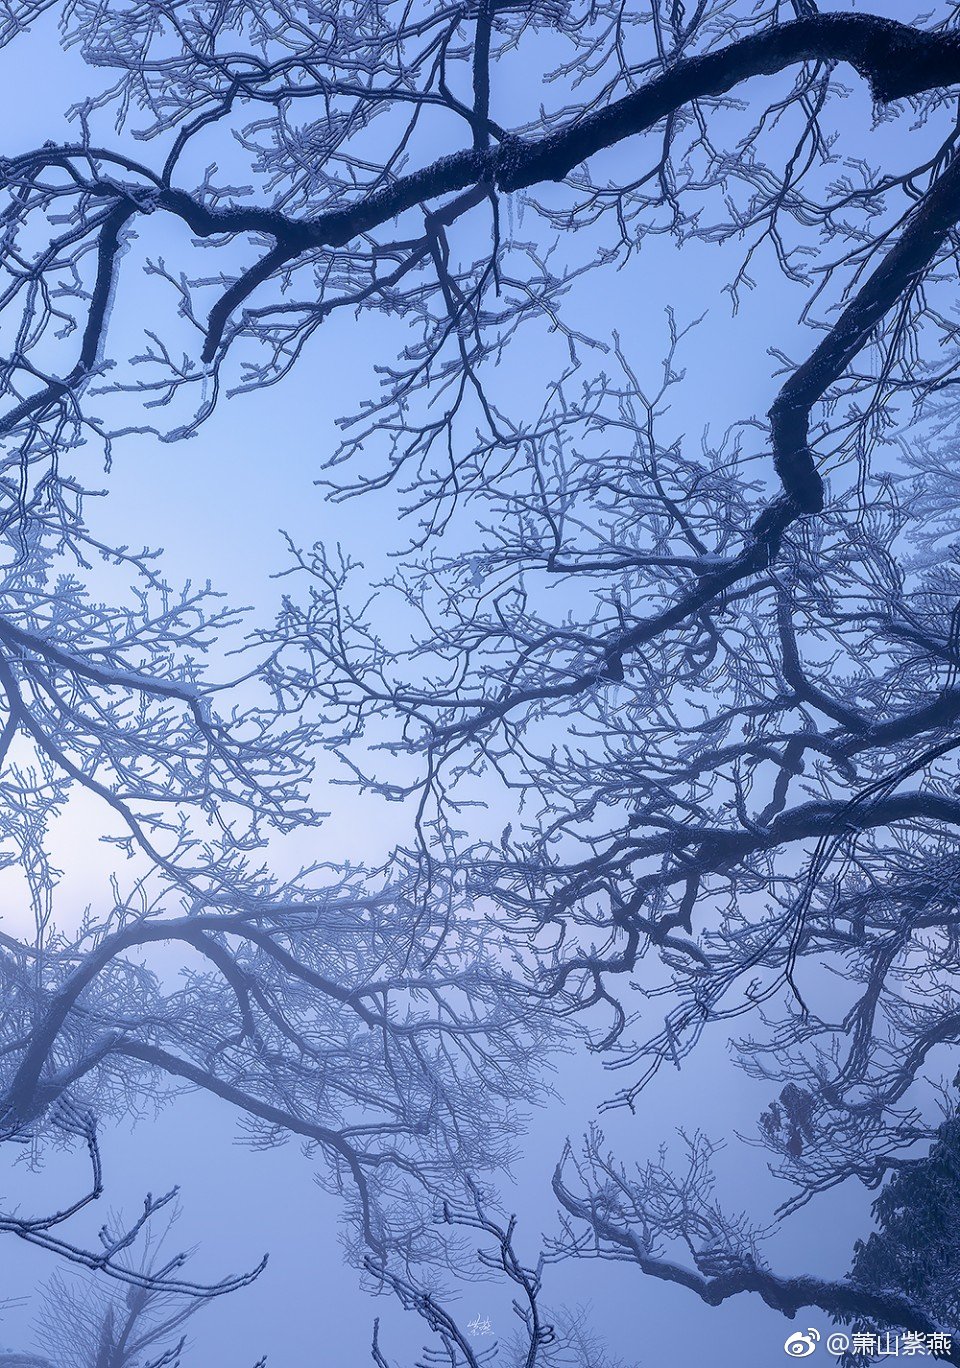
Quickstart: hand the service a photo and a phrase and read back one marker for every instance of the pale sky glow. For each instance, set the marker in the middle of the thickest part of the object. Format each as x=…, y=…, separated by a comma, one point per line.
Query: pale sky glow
x=223, y=507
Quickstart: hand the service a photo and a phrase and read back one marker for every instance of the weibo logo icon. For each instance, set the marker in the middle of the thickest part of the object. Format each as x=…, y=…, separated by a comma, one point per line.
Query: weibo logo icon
x=800, y=1345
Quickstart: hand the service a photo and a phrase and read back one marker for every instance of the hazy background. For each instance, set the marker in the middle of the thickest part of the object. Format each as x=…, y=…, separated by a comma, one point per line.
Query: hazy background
x=217, y=504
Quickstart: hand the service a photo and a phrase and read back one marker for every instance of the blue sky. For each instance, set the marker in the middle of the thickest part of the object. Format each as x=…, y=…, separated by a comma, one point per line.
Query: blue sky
x=217, y=504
